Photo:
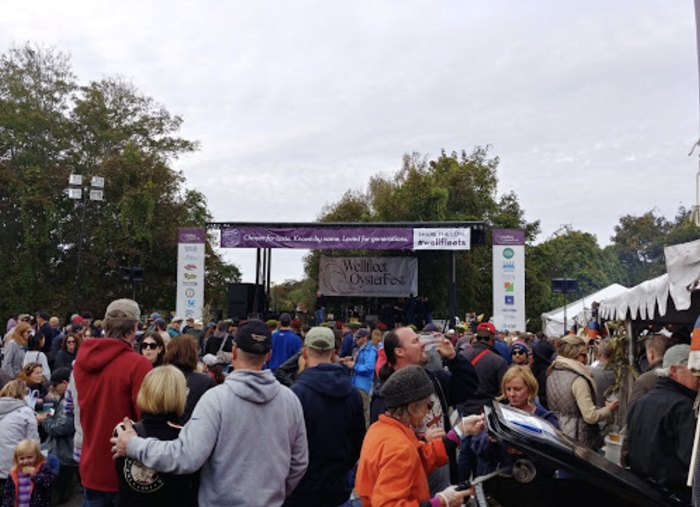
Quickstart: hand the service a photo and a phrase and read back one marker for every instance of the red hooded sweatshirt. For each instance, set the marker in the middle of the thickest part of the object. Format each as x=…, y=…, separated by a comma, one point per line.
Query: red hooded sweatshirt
x=108, y=375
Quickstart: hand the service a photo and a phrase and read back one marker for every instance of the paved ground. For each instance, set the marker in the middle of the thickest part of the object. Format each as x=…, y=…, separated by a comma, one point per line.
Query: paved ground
x=77, y=499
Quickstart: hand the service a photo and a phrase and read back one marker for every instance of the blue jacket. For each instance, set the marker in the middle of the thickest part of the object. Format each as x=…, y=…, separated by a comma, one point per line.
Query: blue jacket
x=503, y=349
x=364, y=367
x=285, y=343
x=335, y=428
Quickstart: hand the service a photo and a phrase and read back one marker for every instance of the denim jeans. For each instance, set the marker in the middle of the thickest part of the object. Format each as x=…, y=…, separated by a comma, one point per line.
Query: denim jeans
x=94, y=498
x=320, y=315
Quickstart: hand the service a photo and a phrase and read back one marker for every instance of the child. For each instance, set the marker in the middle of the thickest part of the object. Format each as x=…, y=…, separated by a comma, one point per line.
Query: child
x=29, y=482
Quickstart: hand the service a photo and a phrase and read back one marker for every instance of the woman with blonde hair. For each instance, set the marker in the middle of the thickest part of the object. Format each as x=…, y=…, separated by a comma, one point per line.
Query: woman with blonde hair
x=17, y=422
x=161, y=399
x=571, y=394
x=15, y=348
x=518, y=390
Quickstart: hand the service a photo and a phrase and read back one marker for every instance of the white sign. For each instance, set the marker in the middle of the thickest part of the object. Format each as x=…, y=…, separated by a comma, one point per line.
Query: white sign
x=508, y=280
x=368, y=276
x=190, y=273
x=442, y=239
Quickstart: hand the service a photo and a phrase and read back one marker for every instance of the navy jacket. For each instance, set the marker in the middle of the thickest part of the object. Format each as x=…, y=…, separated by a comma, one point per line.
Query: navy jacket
x=660, y=430
x=347, y=345
x=335, y=428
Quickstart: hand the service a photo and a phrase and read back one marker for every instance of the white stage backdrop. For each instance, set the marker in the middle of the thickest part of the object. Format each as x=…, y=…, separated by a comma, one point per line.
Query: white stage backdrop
x=368, y=276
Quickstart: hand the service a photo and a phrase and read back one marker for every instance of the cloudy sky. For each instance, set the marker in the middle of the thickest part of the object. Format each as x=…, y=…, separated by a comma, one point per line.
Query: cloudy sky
x=592, y=107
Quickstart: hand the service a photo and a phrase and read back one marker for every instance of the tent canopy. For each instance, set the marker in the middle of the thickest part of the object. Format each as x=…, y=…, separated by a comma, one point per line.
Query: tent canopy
x=652, y=299
x=578, y=311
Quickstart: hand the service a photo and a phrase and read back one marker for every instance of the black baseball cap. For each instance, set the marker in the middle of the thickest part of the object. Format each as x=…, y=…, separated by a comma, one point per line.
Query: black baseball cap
x=254, y=337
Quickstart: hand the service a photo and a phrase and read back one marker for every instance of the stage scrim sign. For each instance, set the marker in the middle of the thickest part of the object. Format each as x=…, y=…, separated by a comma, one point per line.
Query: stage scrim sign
x=347, y=238
x=368, y=276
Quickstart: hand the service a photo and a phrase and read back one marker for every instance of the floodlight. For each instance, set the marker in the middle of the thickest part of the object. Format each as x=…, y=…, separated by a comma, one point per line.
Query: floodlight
x=97, y=195
x=75, y=179
x=75, y=193
x=97, y=182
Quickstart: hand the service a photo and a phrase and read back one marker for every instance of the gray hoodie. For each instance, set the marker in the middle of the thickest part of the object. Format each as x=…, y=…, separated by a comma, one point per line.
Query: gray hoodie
x=247, y=435
x=17, y=422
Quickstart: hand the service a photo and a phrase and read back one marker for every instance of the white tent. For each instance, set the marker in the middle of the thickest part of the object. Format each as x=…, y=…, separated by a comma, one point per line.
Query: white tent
x=649, y=300
x=577, y=311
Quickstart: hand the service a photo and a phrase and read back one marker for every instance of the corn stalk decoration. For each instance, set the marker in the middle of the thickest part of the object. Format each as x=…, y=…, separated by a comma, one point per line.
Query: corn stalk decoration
x=619, y=362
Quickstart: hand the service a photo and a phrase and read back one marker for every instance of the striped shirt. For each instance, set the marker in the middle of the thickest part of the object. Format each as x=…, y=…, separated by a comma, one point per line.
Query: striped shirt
x=24, y=489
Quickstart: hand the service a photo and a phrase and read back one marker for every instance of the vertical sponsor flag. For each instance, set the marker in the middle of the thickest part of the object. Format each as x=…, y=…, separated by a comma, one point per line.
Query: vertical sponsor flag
x=190, y=272
x=509, y=279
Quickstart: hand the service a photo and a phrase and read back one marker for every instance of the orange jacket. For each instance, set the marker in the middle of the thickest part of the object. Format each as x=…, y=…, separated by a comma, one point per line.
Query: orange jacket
x=394, y=465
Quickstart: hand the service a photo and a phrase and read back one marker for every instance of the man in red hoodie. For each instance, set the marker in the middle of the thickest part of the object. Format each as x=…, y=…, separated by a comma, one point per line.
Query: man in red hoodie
x=108, y=374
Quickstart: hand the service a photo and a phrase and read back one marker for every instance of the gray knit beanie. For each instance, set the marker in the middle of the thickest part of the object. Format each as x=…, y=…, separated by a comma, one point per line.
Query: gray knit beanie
x=405, y=386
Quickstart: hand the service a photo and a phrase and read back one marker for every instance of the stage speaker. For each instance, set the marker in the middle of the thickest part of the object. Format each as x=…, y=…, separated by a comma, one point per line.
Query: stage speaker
x=245, y=299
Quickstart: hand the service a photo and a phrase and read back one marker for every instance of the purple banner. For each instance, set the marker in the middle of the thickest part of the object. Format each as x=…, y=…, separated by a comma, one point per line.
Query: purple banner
x=508, y=237
x=191, y=235
x=337, y=238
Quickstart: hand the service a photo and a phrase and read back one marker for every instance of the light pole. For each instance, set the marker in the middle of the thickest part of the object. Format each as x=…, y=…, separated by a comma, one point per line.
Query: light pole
x=79, y=192
x=564, y=286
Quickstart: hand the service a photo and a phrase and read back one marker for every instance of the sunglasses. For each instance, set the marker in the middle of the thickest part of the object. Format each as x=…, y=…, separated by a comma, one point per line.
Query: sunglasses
x=149, y=345
x=517, y=353
x=70, y=341
x=430, y=405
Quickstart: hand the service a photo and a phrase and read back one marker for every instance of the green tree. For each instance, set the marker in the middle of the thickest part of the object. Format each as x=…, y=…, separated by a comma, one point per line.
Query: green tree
x=459, y=186
x=567, y=253
x=35, y=89
x=51, y=127
x=639, y=242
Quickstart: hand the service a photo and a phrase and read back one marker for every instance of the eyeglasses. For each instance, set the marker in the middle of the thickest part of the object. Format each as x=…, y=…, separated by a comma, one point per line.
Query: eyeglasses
x=149, y=345
x=517, y=353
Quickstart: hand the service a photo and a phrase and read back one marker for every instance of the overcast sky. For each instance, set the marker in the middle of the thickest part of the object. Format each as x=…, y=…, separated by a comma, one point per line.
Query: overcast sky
x=591, y=106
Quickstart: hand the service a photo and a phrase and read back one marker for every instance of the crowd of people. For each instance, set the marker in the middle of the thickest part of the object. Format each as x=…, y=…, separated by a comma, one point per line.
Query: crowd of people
x=279, y=413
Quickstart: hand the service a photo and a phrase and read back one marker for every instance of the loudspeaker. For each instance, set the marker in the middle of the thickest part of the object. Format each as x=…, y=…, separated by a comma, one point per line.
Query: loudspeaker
x=245, y=299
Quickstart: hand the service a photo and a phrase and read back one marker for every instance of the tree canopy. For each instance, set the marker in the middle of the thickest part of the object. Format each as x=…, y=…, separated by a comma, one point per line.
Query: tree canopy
x=50, y=127
x=463, y=186
x=459, y=186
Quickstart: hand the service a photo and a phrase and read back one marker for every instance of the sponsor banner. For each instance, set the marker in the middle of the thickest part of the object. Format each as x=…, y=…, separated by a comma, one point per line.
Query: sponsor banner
x=191, y=235
x=190, y=272
x=368, y=276
x=441, y=239
x=509, y=280
x=346, y=238
x=508, y=237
